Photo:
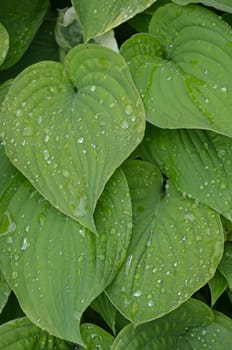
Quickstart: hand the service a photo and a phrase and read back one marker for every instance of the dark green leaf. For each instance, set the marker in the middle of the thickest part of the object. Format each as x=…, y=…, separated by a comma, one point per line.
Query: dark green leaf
x=95, y=338
x=217, y=286
x=225, y=266
x=4, y=291
x=175, y=248
x=61, y=138
x=223, y=5
x=5, y=42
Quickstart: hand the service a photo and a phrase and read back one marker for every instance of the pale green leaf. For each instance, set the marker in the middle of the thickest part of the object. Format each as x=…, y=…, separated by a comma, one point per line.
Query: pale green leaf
x=21, y=334
x=58, y=129
x=183, y=69
x=4, y=291
x=175, y=247
x=198, y=162
x=223, y=5
x=225, y=266
x=55, y=266
x=97, y=20
x=95, y=338
x=5, y=42
x=217, y=286
x=192, y=326
x=22, y=19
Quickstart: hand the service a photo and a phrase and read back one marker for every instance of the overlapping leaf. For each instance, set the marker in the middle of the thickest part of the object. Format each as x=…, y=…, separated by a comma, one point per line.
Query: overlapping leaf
x=223, y=5
x=58, y=131
x=175, y=248
x=217, y=286
x=4, y=291
x=95, y=338
x=225, y=266
x=22, y=20
x=4, y=40
x=198, y=162
x=21, y=334
x=97, y=19
x=183, y=69
x=192, y=326
x=50, y=261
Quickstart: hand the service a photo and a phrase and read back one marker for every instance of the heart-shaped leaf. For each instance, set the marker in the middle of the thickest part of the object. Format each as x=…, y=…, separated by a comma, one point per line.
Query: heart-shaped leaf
x=198, y=162
x=183, y=69
x=49, y=257
x=95, y=338
x=175, y=247
x=223, y=5
x=97, y=20
x=192, y=326
x=21, y=334
x=22, y=20
x=59, y=129
x=5, y=42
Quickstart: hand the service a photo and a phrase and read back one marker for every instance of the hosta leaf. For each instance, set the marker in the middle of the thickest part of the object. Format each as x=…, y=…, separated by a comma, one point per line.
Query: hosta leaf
x=97, y=20
x=198, y=162
x=95, y=338
x=182, y=69
x=192, y=326
x=108, y=312
x=55, y=266
x=225, y=266
x=4, y=291
x=21, y=334
x=175, y=248
x=11, y=310
x=61, y=138
x=5, y=42
x=22, y=20
x=42, y=47
x=217, y=286
x=223, y=5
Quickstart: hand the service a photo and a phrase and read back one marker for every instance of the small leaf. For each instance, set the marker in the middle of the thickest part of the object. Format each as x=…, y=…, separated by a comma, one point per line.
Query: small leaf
x=48, y=257
x=183, y=69
x=21, y=334
x=5, y=43
x=198, y=162
x=223, y=5
x=97, y=20
x=59, y=129
x=95, y=338
x=217, y=286
x=192, y=326
x=4, y=292
x=225, y=266
x=175, y=247
x=22, y=20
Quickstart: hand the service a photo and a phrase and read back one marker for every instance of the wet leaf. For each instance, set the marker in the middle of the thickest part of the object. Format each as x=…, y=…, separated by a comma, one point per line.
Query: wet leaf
x=5, y=42
x=192, y=326
x=97, y=20
x=50, y=261
x=59, y=129
x=225, y=266
x=22, y=20
x=4, y=291
x=95, y=338
x=175, y=247
x=217, y=286
x=183, y=69
x=21, y=334
x=198, y=162
x=223, y=5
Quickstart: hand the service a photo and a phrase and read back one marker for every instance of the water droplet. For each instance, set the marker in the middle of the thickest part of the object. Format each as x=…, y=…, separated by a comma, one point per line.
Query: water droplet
x=137, y=294
x=28, y=131
x=93, y=88
x=46, y=138
x=150, y=303
x=125, y=124
x=7, y=223
x=19, y=112
x=66, y=173
x=25, y=244
x=46, y=154
x=80, y=140
x=14, y=275
x=128, y=110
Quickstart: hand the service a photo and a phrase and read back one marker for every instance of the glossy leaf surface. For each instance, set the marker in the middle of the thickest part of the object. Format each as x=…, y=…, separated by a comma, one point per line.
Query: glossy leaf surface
x=95, y=338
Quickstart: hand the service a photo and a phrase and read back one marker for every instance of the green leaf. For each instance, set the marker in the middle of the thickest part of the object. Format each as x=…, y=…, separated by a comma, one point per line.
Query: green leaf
x=4, y=87
x=21, y=334
x=42, y=47
x=22, y=20
x=223, y=5
x=95, y=338
x=225, y=266
x=108, y=312
x=217, y=286
x=61, y=138
x=97, y=20
x=11, y=310
x=175, y=247
x=50, y=258
x=4, y=292
x=5, y=43
x=183, y=69
x=198, y=162
x=192, y=326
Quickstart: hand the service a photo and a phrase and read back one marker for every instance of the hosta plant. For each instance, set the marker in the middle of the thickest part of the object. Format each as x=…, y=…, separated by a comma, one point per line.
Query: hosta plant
x=116, y=175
